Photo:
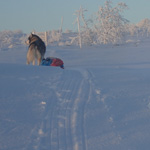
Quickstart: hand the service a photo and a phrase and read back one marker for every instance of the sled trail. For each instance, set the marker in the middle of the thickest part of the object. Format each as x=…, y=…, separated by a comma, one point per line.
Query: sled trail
x=64, y=113
x=71, y=112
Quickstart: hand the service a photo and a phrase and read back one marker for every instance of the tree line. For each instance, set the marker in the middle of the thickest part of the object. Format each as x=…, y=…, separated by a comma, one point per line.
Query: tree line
x=108, y=26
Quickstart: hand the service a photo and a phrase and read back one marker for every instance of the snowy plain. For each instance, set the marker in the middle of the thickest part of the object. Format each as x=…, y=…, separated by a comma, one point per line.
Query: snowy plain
x=100, y=101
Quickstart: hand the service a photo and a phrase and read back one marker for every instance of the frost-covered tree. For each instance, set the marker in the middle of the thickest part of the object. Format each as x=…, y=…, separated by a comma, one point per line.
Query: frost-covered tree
x=84, y=32
x=110, y=24
x=77, y=13
x=144, y=27
x=139, y=30
x=10, y=39
x=132, y=29
x=54, y=36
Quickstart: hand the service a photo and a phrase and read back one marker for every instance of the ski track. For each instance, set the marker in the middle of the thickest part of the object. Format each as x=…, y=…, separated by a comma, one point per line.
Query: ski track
x=63, y=126
x=63, y=123
x=95, y=93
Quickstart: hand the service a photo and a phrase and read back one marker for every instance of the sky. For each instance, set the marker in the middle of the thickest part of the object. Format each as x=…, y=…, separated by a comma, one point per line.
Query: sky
x=45, y=15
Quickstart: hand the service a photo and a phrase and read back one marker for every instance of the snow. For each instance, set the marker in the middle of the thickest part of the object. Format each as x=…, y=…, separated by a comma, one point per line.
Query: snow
x=100, y=101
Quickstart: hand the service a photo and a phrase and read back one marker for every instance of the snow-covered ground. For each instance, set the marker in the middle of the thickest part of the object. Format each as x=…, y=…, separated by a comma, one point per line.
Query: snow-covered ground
x=100, y=101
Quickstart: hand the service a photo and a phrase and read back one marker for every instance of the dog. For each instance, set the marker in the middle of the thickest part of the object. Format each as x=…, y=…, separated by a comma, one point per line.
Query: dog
x=36, y=49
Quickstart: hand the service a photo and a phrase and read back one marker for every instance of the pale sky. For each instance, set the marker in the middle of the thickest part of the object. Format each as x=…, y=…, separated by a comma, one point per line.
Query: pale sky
x=44, y=15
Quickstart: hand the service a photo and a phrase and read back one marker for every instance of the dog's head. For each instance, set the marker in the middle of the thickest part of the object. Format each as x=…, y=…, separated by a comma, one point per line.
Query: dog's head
x=32, y=38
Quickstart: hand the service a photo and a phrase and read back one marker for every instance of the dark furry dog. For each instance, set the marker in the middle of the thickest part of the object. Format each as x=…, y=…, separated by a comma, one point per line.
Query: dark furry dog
x=36, y=50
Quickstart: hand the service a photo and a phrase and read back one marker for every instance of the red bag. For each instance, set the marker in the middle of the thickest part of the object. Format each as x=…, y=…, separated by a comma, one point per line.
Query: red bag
x=57, y=62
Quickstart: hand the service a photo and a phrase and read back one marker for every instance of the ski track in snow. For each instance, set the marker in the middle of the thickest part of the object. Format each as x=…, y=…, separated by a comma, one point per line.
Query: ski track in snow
x=64, y=114
x=66, y=122
x=95, y=93
x=64, y=118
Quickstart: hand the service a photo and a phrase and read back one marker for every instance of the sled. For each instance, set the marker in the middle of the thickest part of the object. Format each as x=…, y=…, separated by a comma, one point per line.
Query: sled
x=53, y=61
